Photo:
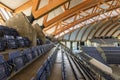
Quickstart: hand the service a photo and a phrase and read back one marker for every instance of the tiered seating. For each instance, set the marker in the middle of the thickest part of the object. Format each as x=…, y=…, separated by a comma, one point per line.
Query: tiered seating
x=28, y=54
x=23, y=41
x=8, y=31
x=111, y=48
x=5, y=68
x=112, y=54
x=9, y=38
x=63, y=68
x=18, y=60
x=45, y=69
x=105, y=40
x=26, y=41
x=11, y=42
x=2, y=44
x=92, y=51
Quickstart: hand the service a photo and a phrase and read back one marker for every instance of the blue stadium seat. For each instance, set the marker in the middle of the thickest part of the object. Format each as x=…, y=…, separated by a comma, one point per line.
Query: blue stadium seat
x=34, y=52
x=11, y=42
x=2, y=44
x=63, y=68
x=41, y=74
x=17, y=59
x=5, y=69
x=44, y=70
x=50, y=62
x=13, y=32
x=23, y=41
x=2, y=59
x=39, y=50
x=8, y=31
x=47, y=67
x=20, y=41
x=42, y=50
x=3, y=75
x=28, y=54
x=27, y=41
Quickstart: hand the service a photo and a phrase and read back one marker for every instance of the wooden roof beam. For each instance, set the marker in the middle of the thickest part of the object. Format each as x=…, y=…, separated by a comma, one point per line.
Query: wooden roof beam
x=74, y=23
x=66, y=6
x=6, y=7
x=80, y=20
x=83, y=6
x=46, y=9
x=24, y=6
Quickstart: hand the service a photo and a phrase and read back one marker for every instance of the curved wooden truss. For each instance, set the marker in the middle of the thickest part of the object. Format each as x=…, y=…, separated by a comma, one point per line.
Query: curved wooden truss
x=53, y=4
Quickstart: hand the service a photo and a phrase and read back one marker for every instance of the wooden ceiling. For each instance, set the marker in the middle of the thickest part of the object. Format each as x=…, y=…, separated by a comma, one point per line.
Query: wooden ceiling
x=72, y=15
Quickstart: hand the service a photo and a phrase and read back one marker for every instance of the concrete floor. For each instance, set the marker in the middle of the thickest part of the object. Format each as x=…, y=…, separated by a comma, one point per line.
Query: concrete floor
x=56, y=73
x=116, y=71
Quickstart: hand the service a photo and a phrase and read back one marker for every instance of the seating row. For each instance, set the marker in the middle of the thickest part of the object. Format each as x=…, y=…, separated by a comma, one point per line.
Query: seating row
x=4, y=30
x=112, y=57
x=110, y=48
x=93, y=52
x=18, y=60
x=9, y=38
x=63, y=67
x=112, y=54
x=45, y=69
x=11, y=42
x=105, y=41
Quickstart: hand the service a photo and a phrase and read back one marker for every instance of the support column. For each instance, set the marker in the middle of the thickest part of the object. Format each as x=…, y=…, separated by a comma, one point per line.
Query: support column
x=65, y=43
x=71, y=45
x=77, y=45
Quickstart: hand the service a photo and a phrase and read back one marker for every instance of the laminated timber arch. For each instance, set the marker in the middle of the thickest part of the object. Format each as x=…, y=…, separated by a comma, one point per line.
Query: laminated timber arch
x=81, y=32
x=53, y=4
x=109, y=28
x=92, y=31
x=89, y=31
x=99, y=27
x=108, y=23
x=86, y=32
x=73, y=35
x=103, y=29
x=116, y=34
x=92, y=34
x=113, y=30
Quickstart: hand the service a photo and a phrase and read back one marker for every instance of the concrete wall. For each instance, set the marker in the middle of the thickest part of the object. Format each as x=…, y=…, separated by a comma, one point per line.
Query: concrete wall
x=39, y=32
x=22, y=25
